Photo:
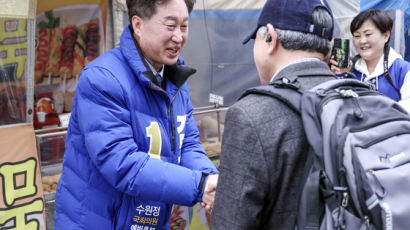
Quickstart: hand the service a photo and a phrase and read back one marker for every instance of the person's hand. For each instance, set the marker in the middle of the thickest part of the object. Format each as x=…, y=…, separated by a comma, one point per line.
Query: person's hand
x=337, y=70
x=177, y=222
x=209, y=193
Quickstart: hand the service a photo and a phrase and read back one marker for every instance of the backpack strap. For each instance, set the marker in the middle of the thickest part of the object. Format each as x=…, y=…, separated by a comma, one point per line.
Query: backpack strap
x=386, y=69
x=310, y=205
x=286, y=89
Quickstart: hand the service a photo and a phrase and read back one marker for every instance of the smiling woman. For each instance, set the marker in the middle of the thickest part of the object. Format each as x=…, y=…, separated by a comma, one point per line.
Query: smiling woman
x=371, y=33
x=377, y=63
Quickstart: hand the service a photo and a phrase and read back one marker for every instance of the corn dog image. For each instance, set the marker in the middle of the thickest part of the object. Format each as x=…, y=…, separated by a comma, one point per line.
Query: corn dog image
x=54, y=57
x=42, y=53
x=79, y=50
x=67, y=51
x=92, y=38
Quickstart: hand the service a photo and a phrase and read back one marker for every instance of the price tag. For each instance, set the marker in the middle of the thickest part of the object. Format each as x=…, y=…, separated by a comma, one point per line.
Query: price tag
x=64, y=119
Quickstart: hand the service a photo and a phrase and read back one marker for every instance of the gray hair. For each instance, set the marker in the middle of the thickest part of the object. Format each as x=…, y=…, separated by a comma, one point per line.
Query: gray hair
x=295, y=40
x=261, y=32
x=147, y=8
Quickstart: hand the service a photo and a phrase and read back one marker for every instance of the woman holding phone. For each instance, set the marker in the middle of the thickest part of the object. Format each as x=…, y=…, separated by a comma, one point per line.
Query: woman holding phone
x=377, y=62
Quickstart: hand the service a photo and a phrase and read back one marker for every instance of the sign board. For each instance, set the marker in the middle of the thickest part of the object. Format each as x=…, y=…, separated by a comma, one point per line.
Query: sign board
x=216, y=99
x=22, y=199
x=64, y=119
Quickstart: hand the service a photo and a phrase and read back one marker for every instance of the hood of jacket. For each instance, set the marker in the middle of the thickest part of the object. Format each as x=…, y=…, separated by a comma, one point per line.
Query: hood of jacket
x=361, y=65
x=177, y=73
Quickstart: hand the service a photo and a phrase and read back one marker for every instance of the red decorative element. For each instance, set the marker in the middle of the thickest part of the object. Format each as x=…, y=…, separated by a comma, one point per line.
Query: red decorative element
x=69, y=38
x=93, y=37
x=42, y=49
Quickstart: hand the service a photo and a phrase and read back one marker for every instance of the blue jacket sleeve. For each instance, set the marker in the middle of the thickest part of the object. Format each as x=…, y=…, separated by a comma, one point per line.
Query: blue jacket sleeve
x=105, y=122
x=193, y=155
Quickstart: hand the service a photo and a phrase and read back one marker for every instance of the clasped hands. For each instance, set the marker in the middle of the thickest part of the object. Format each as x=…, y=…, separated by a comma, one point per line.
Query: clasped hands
x=208, y=197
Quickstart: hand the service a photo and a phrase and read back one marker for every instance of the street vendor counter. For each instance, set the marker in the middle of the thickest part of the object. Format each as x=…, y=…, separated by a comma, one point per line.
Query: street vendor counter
x=50, y=146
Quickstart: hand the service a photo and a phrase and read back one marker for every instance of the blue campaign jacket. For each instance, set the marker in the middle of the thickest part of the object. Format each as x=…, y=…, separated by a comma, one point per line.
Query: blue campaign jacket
x=399, y=70
x=109, y=181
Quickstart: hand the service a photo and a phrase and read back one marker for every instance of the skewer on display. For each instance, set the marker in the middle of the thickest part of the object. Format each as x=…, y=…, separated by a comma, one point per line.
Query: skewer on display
x=79, y=50
x=53, y=63
x=42, y=53
x=67, y=51
x=92, y=38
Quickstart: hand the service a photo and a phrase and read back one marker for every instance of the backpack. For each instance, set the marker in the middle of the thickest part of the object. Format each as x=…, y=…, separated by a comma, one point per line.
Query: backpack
x=358, y=168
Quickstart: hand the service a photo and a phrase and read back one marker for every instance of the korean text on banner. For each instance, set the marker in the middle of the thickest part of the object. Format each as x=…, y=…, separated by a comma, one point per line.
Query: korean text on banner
x=22, y=201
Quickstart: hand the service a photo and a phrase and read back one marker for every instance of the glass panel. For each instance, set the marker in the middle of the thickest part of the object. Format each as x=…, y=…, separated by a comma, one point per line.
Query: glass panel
x=210, y=124
x=51, y=149
x=70, y=35
x=13, y=58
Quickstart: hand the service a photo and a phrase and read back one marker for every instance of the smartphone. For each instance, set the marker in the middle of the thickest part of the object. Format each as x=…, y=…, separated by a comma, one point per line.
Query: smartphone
x=340, y=52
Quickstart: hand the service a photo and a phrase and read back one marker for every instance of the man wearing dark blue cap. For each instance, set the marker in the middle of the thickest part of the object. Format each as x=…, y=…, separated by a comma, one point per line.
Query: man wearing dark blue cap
x=264, y=145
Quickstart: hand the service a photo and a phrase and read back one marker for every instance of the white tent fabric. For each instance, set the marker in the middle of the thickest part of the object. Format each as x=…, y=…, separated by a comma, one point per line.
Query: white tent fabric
x=343, y=12
x=228, y=5
x=120, y=19
x=345, y=8
x=18, y=8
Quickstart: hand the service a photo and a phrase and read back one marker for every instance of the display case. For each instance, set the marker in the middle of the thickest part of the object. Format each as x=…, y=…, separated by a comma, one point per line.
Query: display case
x=69, y=35
x=50, y=147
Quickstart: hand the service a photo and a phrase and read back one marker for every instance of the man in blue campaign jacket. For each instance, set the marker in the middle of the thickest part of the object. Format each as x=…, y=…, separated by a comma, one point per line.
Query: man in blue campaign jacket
x=133, y=147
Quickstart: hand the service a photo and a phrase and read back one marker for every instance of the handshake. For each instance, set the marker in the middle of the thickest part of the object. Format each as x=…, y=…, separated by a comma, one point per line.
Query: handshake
x=208, y=197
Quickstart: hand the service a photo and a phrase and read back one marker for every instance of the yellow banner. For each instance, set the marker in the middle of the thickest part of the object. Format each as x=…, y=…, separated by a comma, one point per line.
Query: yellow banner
x=17, y=8
x=13, y=48
x=22, y=200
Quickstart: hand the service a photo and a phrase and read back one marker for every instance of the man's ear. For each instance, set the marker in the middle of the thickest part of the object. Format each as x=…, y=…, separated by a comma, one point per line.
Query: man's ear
x=136, y=25
x=272, y=39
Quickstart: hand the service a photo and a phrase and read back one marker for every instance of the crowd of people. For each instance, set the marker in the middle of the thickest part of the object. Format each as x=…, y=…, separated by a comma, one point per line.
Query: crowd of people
x=133, y=148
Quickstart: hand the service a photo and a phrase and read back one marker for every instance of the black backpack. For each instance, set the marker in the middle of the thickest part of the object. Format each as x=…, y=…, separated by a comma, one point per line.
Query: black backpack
x=358, y=168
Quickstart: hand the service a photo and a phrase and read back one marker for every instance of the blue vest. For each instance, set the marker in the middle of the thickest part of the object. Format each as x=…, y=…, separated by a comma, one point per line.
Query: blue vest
x=397, y=71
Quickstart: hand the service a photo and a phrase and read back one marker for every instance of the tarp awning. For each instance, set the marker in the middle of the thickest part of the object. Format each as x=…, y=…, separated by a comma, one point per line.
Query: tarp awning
x=18, y=9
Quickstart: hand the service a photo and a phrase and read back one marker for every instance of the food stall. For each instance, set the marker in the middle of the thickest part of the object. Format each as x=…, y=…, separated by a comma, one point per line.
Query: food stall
x=69, y=35
x=43, y=47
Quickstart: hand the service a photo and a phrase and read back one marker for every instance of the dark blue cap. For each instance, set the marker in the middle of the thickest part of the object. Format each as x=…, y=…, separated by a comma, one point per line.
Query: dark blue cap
x=293, y=15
